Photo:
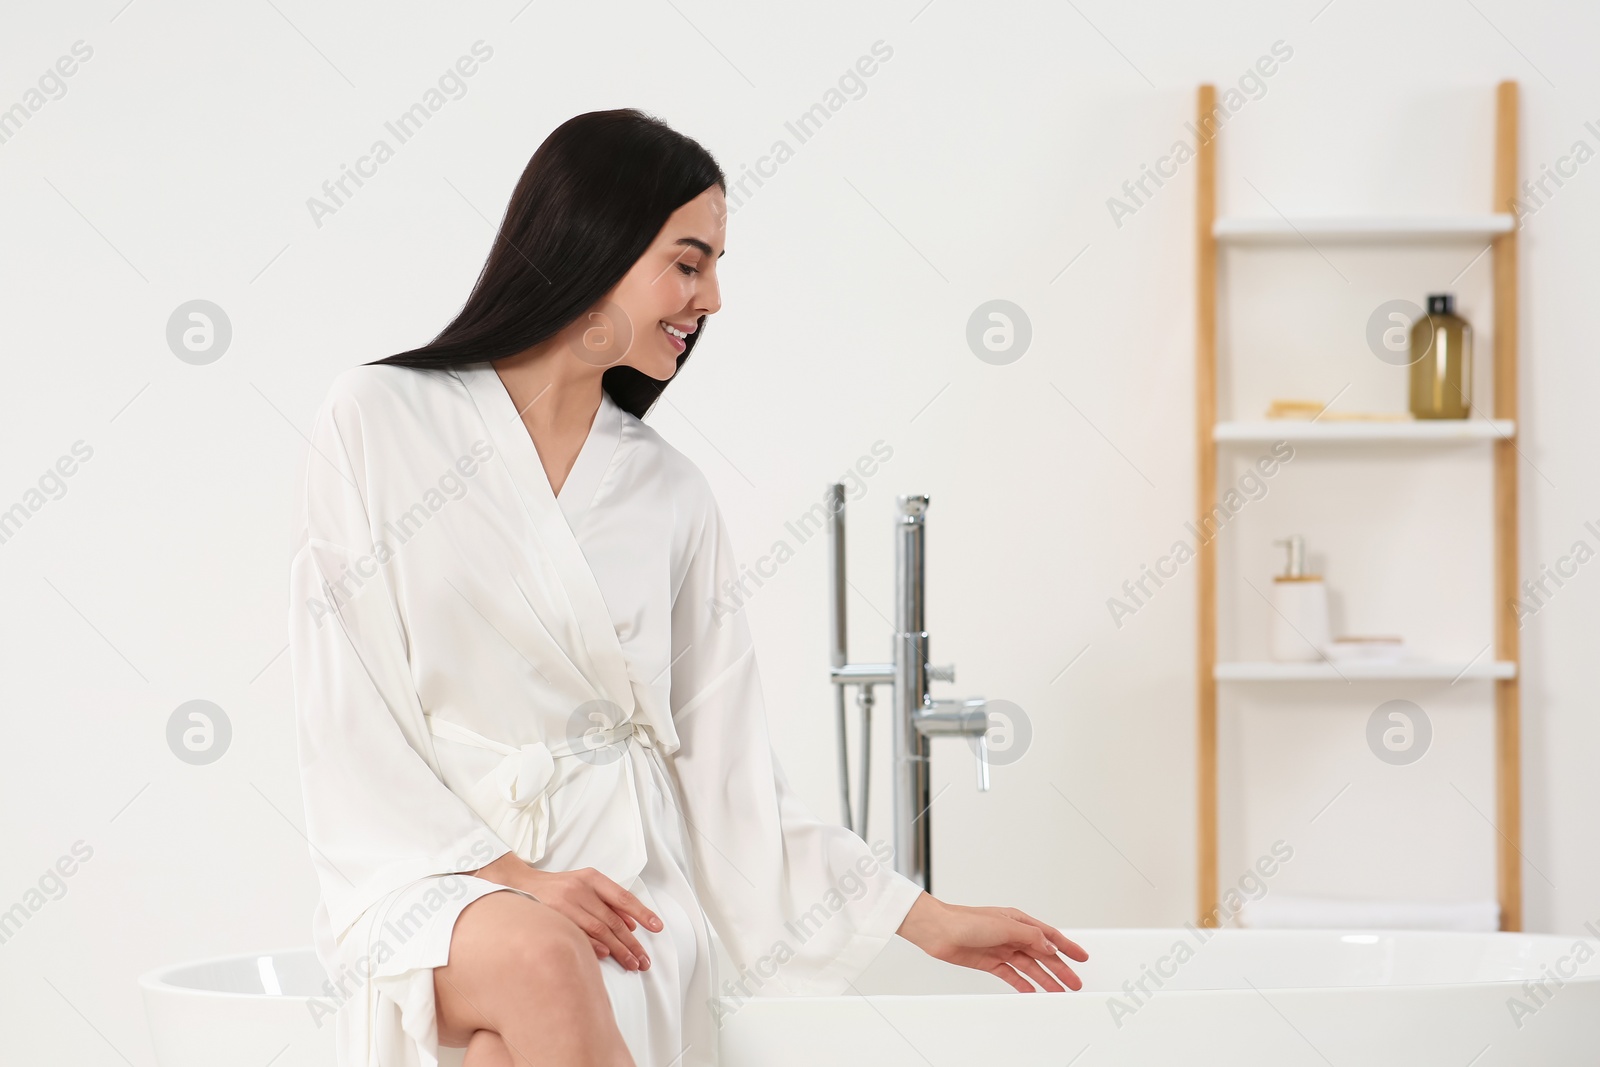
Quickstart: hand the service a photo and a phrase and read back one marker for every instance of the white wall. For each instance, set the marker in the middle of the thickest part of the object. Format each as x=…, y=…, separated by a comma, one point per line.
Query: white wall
x=976, y=165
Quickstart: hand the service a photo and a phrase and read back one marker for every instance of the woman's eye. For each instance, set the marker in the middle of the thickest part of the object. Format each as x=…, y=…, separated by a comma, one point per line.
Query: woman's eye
x=687, y=269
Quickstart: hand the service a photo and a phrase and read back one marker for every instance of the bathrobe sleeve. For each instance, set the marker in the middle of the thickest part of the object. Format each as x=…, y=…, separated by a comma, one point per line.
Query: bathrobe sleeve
x=377, y=814
x=805, y=901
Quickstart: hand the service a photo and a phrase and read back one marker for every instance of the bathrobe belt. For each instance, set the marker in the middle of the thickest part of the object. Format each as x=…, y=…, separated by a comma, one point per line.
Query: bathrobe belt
x=514, y=797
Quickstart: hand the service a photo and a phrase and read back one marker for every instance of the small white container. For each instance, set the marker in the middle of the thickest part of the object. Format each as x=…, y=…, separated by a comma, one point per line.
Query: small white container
x=1367, y=650
x=1300, y=609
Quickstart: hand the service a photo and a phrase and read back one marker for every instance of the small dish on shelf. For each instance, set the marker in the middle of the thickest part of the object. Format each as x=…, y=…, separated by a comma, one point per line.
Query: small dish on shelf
x=1312, y=410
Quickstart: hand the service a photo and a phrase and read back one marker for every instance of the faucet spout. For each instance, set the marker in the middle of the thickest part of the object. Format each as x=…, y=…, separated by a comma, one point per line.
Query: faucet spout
x=965, y=718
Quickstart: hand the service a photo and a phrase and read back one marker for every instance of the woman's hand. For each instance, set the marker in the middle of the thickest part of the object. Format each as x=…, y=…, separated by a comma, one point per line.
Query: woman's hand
x=1001, y=941
x=601, y=908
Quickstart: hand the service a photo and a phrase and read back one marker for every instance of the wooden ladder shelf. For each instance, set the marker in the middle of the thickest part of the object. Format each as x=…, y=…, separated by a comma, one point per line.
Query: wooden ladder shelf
x=1499, y=229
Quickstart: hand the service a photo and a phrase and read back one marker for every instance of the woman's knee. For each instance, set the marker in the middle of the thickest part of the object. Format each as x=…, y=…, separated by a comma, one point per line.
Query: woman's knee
x=508, y=951
x=548, y=946
x=525, y=941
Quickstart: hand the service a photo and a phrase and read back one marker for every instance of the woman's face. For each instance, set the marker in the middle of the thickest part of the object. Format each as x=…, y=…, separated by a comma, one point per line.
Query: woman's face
x=672, y=284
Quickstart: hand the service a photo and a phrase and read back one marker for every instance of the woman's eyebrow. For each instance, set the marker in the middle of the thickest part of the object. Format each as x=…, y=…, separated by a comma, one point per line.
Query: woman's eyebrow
x=695, y=242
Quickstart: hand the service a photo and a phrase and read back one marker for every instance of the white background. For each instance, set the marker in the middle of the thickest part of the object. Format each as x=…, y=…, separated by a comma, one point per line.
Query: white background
x=975, y=165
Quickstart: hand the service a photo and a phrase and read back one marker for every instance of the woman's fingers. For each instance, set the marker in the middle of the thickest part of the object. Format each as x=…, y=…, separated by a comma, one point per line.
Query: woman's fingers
x=624, y=946
x=1009, y=944
x=600, y=950
x=1030, y=967
x=1067, y=975
x=593, y=920
x=1062, y=942
x=1011, y=978
x=1037, y=944
x=606, y=892
x=629, y=943
x=629, y=905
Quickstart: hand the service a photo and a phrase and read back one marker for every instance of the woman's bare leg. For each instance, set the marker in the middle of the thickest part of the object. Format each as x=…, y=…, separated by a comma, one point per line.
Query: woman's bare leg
x=487, y=1050
x=526, y=972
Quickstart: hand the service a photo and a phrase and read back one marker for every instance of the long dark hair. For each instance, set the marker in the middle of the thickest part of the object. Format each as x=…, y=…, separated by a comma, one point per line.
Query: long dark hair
x=588, y=205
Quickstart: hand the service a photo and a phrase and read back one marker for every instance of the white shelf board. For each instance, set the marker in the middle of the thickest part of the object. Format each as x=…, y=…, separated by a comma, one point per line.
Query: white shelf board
x=1406, y=228
x=1417, y=430
x=1358, y=670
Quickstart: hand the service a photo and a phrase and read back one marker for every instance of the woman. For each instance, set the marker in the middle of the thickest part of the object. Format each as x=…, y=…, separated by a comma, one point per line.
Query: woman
x=514, y=670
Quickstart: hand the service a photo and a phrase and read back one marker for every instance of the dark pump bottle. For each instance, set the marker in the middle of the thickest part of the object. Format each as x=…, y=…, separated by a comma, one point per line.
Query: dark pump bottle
x=1441, y=362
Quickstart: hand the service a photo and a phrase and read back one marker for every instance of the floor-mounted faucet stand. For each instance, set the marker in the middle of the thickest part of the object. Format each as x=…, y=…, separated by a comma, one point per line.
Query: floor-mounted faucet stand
x=917, y=716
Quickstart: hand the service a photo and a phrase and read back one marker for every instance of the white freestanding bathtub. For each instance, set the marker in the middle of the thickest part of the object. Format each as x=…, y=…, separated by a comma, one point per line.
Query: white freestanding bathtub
x=240, y=1009
x=1314, y=997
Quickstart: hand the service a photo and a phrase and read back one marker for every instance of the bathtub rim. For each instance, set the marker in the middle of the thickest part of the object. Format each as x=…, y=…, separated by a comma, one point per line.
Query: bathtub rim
x=157, y=978
x=1590, y=975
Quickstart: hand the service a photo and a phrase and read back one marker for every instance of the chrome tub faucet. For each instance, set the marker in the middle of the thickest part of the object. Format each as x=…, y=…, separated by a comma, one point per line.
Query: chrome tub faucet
x=918, y=716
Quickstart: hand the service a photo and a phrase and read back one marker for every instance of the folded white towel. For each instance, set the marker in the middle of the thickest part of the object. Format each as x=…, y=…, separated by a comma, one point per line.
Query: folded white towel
x=1287, y=911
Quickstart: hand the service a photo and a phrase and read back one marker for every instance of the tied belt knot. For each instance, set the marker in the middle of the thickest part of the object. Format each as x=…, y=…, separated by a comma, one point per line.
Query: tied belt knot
x=514, y=797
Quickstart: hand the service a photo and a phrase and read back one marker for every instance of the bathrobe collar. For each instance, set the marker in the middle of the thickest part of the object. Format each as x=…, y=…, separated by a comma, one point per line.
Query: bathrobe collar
x=554, y=519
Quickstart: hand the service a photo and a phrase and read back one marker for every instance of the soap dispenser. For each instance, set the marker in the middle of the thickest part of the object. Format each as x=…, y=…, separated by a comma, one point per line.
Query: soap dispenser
x=1300, y=608
x=1441, y=362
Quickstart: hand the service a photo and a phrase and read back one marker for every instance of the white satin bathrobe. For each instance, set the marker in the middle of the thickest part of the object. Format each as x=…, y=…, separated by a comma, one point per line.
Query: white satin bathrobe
x=483, y=666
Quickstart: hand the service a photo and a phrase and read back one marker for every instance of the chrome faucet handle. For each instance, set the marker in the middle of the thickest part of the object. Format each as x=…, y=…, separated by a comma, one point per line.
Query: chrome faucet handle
x=983, y=762
x=945, y=673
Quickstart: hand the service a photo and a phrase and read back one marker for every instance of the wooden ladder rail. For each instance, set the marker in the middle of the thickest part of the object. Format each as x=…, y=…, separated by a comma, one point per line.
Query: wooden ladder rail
x=1507, y=691
x=1205, y=421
